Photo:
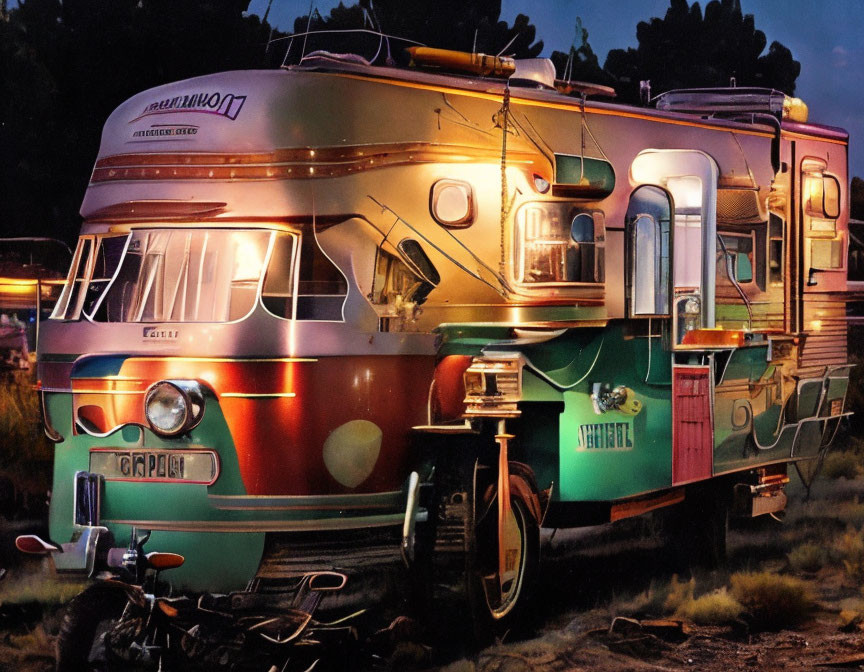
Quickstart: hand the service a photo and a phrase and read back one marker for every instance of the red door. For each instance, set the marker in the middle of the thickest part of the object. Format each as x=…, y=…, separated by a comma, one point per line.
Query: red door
x=692, y=424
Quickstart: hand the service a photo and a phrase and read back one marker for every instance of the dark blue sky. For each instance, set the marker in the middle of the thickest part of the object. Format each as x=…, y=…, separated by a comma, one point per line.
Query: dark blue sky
x=826, y=36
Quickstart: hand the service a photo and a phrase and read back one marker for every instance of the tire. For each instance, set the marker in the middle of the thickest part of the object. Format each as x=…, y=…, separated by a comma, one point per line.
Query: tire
x=495, y=613
x=85, y=620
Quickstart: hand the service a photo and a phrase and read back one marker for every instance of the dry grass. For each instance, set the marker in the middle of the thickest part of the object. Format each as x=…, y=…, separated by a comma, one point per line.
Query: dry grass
x=808, y=557
x=34, y=641
x=841, y=464
x=715, y=608
x=850, y=547
x=655, y=601
x=38, y=586
x=678, y=594
x=25, y=452
x=773, y=601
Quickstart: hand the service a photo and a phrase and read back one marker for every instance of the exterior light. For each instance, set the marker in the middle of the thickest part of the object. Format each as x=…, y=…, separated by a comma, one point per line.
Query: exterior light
x=541, y=184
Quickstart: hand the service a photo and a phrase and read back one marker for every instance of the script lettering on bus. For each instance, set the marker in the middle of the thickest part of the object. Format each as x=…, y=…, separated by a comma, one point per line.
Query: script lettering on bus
x=605, y=436
x=198, y=466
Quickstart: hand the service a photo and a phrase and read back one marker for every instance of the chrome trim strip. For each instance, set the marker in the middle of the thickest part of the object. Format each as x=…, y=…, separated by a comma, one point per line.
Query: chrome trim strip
x=394, y=519
x=257, y=395
x=73, y=391
x=239, y=395
x=268, y=503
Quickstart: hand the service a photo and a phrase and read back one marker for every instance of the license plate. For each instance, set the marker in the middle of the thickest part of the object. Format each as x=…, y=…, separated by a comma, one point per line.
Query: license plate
x=157, y=466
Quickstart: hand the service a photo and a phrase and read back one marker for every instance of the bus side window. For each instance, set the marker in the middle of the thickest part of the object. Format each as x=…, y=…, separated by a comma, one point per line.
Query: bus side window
x=321, y=287
x=820, y=196
x=775, y=250
x=277, y=293
x=648, y=224
x=95, y=263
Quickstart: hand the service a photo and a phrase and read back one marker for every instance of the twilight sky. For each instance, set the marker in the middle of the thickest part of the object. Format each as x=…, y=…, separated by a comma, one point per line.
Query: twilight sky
x=825, y=36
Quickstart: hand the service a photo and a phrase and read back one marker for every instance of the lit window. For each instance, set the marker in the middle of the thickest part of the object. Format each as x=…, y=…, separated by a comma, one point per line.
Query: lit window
x=821, y=196
x=277, y=294
x=185, y=275
x=321, y=287
x=648, y=223
x=452, y=203
x=556, y=243
x=95, y=261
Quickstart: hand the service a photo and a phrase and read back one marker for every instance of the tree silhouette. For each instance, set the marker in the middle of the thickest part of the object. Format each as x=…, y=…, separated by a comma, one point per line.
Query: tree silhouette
x=856, y=199
x=580, y=63
x=65, y=66
x=463, y=25
x=689, y=49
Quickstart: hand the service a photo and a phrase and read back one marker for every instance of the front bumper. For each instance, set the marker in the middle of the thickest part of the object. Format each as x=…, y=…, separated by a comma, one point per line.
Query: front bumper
x=78, y=556
x=92, y=545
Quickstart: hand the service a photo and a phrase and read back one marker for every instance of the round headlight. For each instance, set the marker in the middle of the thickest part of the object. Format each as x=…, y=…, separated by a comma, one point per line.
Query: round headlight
x=167, y=408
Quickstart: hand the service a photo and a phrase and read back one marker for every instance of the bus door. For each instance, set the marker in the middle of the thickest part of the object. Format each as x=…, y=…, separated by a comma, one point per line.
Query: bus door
x=685, y=295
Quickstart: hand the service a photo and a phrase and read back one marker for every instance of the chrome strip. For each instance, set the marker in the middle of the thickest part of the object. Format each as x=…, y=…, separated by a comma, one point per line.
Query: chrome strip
x=73, y=391
x=266, y=502
x=242, y=395
x=256, y=395
x=265, y=525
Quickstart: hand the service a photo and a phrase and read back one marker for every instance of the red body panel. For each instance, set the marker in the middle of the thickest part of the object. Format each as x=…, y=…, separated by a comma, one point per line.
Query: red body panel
x=280, y=413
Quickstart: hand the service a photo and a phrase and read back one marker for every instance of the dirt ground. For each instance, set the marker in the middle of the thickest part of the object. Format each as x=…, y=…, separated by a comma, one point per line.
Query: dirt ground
x=589, y=578
x=592, y=578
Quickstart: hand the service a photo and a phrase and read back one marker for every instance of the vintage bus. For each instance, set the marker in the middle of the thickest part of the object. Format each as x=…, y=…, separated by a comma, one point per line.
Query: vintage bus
x=336, y=313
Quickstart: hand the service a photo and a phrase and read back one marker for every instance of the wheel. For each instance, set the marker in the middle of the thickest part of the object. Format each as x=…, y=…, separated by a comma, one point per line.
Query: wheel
x=86, y=620
x=501, y=601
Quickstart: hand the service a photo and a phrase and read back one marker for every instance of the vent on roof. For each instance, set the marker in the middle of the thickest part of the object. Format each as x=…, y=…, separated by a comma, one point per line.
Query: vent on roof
x=732, y=101
x=538, y=72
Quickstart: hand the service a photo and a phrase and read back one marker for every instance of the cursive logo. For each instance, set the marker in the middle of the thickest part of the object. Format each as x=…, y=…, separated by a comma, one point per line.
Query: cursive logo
x=223, y=104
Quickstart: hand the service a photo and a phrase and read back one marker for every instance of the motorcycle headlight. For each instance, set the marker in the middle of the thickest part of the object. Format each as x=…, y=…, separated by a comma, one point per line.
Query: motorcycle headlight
x=173, y=406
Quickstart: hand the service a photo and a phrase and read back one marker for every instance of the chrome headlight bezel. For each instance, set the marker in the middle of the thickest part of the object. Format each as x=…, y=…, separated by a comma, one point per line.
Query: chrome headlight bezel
x=190, y=395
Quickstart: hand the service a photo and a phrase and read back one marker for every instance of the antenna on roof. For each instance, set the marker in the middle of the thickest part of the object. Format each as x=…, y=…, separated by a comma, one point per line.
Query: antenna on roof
x=474, y=46
x=645, y=92
x=308, y=25
x=370, y=12
x=507, y=46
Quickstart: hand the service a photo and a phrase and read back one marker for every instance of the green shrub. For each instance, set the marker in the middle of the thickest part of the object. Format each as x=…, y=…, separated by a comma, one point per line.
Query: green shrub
x=807, y=557
x=714, y=608
x=773, y=601
x=843, y=464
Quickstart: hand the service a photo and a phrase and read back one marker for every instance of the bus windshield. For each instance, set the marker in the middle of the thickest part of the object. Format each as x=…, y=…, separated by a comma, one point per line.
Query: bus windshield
x=184, y=275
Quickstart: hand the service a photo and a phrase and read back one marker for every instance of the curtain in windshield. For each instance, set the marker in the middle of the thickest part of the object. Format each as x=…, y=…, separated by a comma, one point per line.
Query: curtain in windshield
x=186, y=276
